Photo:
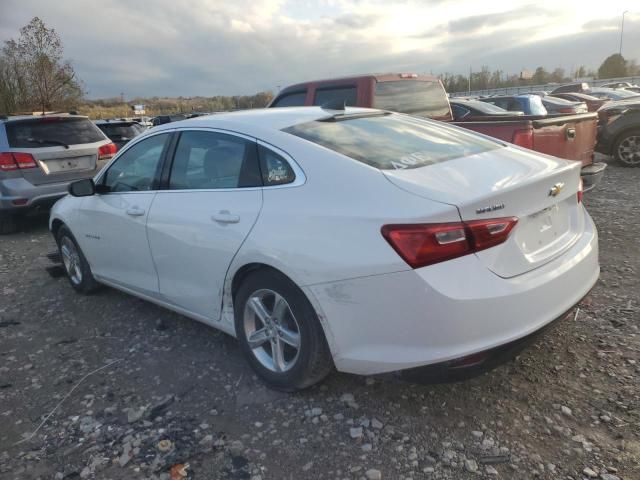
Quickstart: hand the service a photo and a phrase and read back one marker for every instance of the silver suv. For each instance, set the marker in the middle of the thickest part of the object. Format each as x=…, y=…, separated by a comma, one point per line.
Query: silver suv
x=40, y=156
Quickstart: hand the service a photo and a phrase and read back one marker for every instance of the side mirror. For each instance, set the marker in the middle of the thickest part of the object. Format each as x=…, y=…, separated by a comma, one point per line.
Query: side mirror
x=82, y=188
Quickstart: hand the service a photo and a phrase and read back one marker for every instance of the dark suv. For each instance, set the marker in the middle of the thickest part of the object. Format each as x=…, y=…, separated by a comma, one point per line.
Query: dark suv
x=120, y=131
x=40, y=156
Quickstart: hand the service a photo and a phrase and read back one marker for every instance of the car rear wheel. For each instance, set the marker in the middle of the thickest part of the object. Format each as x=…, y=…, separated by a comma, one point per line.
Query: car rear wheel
x=279, y=332
x=75, y=263
x=627, y=149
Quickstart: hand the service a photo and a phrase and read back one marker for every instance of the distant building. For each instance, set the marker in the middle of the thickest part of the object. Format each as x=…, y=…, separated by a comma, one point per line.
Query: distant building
x=526, y=74
x=138, y=109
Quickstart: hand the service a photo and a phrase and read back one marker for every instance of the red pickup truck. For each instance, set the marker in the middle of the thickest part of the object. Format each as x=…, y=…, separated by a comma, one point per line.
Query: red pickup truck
x=566, y=136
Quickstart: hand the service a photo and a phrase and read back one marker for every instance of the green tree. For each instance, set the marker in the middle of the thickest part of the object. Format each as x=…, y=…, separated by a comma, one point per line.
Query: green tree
x=540, y=76
x=34, y=73
x=614, y=66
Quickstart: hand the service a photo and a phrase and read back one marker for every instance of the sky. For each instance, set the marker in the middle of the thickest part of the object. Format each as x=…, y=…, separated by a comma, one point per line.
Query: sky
x=210, y=47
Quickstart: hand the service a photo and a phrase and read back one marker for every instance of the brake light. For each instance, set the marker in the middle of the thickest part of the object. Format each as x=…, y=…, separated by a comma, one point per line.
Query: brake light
x=16, y=160
x=565, y=110
x=425, y=244
x=580, y=190
x=523, y=138
x=105, y=152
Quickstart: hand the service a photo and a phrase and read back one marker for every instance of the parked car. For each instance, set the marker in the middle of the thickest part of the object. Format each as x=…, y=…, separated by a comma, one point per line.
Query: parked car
x=436, y=249
x=571, y=136
x=40, y=156
x=611, y=94
x=528, y=104
x=618, y=85
x=474, y=109
x=593, y=103
x=619, y=133
x=580, y=87
x=120, y=131
x=633, y=89
x=556, y=105
x=162, y=119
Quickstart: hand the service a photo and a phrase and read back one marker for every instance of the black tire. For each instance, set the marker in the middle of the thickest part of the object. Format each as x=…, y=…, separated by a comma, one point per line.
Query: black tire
x=313, y=361
x=8, y=224
x=84, y=283
x=619, y=142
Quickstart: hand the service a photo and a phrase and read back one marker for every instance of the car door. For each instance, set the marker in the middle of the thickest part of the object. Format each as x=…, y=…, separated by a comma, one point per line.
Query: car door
x=197, y=224
x=112, y=225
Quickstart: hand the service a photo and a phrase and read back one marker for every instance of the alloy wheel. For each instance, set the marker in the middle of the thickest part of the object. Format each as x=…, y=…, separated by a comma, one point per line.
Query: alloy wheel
x=629, y=150
x=272, y=331
x=71, y=260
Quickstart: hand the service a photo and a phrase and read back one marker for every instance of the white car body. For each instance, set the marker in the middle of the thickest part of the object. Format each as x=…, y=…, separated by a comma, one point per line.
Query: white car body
x=182, y=248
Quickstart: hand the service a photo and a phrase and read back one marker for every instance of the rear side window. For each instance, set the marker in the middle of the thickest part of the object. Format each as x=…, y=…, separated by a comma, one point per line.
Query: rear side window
x=348, y=95
x=275, y=169
x=423, y=98
x=52, y=131
x=293, y=99
x=459, y=112
x=393, y=141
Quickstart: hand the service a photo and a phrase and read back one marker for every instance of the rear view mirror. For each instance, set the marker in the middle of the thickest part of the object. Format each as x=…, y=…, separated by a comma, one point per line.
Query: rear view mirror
x=82, y=188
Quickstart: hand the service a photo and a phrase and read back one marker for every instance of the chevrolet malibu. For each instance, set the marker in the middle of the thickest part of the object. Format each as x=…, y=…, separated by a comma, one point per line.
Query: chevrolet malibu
x=358, y=239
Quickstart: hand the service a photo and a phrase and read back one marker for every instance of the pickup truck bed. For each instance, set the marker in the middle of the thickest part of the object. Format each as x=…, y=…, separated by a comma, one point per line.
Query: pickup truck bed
x=564, y=136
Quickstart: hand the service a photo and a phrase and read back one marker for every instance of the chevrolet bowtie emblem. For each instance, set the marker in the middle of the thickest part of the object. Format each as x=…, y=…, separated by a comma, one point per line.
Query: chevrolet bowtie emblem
x=556, y=189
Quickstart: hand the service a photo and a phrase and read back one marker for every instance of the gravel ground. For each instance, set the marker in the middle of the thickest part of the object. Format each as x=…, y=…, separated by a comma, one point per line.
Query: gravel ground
x=114, y=387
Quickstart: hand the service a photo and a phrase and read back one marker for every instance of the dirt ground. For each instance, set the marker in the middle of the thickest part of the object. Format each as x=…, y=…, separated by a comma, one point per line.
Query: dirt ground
x=115, y=387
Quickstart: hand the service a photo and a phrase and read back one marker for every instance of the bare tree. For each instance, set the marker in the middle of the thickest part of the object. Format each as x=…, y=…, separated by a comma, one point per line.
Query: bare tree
x=33, y=73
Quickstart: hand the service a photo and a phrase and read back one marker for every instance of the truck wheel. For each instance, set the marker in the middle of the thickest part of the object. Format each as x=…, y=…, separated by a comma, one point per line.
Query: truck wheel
x=8, y=224
x=279, y=332
x=627, y=148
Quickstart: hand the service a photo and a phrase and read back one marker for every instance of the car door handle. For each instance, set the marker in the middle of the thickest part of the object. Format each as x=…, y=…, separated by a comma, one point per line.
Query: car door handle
x=135, y=211
x=224, y=216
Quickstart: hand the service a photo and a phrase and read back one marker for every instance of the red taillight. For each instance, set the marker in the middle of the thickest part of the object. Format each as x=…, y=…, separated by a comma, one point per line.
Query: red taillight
x=580, y=191
x=523, y=138
x=16, y=160
x=105, y=152
x=425, y=244
x=565, y=110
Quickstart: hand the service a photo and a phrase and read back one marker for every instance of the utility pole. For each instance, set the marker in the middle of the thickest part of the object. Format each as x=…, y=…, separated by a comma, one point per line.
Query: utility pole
x=622, y=30
x=469, y=80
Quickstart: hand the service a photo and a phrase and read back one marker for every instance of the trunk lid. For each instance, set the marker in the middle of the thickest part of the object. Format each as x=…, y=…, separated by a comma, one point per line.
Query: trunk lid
x=504, y=183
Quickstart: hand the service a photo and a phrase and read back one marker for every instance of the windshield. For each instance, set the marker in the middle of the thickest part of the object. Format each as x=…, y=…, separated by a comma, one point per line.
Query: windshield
x=615, y=94
x=393, y=141
x=51, y=131
x=427, y=99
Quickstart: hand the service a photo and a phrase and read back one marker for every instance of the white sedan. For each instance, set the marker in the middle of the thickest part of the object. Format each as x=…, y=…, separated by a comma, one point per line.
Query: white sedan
x=361, y=239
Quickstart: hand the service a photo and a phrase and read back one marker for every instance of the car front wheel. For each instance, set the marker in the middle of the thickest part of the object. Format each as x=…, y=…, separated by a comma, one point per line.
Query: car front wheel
x=627, y=149
x=279, y=332
x=75, y=263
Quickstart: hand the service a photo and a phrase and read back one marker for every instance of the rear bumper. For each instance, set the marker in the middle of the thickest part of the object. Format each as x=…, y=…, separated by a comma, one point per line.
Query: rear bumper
x=18, y=195
x=592, y=174
x=440, y=313
x=473, y=365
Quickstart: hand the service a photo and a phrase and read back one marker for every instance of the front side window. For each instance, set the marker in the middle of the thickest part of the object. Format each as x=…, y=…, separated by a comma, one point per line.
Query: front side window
x=135, y=170
x=275, y=169
x=390, y=141
x=293, y=99
x=345, y=94
x=210, y=160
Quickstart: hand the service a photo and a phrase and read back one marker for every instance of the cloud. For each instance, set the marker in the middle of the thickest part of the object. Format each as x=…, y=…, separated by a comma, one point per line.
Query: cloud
x=207, y=47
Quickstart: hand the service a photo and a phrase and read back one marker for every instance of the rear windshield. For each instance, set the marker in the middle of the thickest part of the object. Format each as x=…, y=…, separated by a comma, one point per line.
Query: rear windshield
x=51, y=131
x=393, y=141
x=121, y=131
x=427, y=99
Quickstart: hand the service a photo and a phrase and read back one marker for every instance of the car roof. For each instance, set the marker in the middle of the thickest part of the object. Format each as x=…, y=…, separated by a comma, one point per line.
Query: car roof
x=262, y=119
x=380, y=77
